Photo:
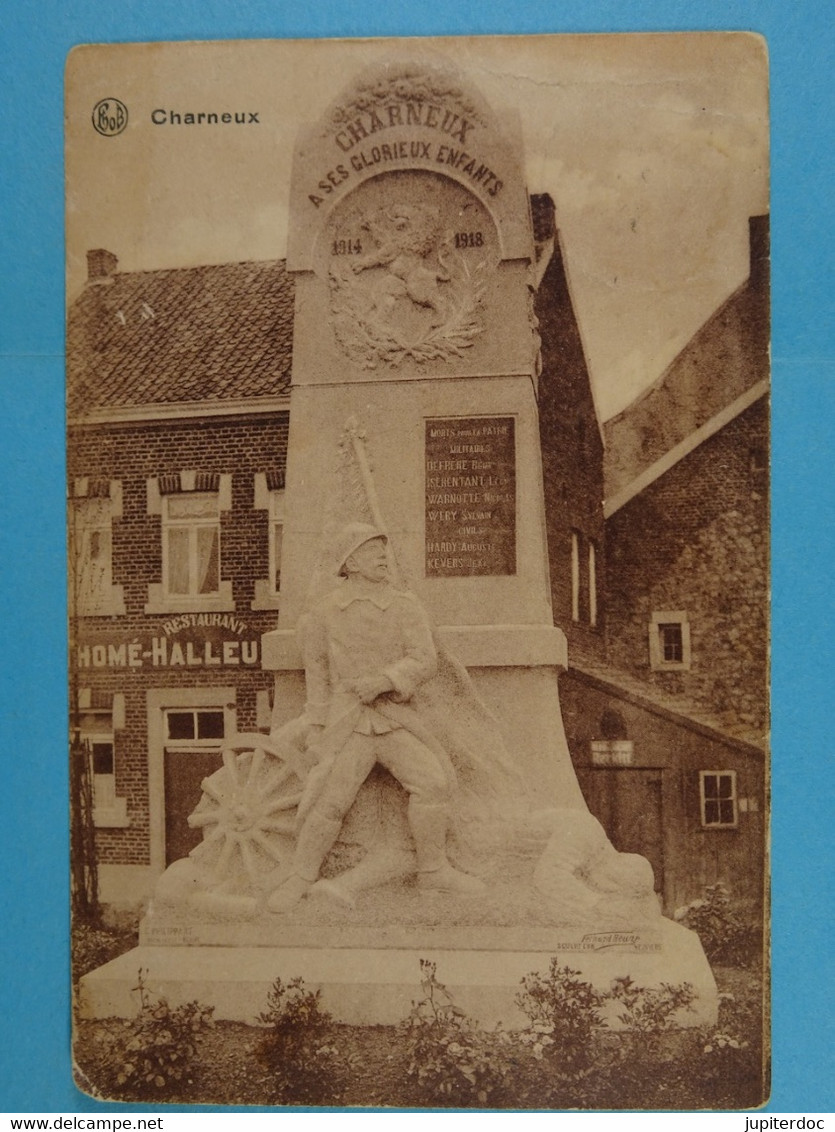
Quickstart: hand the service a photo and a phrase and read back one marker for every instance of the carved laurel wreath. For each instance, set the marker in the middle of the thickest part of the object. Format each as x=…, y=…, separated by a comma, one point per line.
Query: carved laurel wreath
x=409, y=84
x=371, y=340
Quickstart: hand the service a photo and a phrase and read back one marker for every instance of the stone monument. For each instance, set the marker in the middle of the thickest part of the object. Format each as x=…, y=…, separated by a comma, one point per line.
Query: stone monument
x=416, y=797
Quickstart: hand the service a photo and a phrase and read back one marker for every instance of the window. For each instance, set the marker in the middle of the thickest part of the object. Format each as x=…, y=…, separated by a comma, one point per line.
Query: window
x=592, y=584
x=717, y=791
x=104, y=773
x=97, y=724
x=758, y=460
x=669, y=641
x=194, y=724
x=276, y=536
x=94, y=505
x=93, y=555
x=269, y=497
x=758, y=466
x=575, y=576
x=191, y=544
x=190, y=505
x=615, y=748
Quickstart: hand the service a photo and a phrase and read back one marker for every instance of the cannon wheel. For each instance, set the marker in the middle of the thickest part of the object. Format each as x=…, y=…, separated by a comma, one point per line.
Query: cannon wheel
x=247, y=813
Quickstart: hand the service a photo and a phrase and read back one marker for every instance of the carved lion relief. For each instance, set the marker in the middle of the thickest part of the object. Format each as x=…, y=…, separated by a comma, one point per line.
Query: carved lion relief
x=406, y=291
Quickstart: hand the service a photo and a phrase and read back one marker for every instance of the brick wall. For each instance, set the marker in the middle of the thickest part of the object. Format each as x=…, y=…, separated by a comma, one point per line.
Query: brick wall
x=572, y=459
x=133, y=453
x=696, y=540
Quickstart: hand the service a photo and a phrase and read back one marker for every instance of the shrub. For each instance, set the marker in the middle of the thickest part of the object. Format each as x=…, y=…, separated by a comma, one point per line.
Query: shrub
x=450, y=1061
x=650, y=1011
x=732, y=1072
x=160, y=1042
x=299, y=1050
x=728, y=935
x=566, y=1009
x=649, y=1014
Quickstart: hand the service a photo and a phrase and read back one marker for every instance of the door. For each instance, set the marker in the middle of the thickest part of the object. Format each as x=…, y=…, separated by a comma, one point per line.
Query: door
x=627, y=803
x=193, y=738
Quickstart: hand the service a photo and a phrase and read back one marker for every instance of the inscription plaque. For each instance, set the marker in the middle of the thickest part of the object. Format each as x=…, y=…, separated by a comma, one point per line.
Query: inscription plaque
x=470, y=497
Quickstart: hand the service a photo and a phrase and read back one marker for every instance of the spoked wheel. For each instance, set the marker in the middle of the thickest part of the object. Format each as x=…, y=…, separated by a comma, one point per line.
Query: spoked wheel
x=247, y=814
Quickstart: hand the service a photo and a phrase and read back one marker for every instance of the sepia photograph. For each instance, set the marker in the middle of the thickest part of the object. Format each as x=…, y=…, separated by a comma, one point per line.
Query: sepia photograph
x=418, y=472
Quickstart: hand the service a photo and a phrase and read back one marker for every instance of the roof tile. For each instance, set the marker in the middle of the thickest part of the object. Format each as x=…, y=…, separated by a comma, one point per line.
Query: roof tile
x=209, y=333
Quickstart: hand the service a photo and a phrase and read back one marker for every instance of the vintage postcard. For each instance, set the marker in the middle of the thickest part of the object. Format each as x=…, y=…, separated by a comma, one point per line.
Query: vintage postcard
x=417, y=403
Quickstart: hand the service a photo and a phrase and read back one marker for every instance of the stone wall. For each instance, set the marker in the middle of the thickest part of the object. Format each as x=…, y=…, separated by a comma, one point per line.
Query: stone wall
x=696, y=540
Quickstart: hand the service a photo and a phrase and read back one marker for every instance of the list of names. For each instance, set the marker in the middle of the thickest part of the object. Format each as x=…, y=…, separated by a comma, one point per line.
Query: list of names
x=470, y=497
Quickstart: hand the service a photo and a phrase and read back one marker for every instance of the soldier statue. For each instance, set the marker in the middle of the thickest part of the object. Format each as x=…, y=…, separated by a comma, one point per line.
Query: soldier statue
x=367, y=648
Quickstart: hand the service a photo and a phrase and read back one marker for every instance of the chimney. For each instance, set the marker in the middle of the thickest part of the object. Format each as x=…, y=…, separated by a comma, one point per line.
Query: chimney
x=101, y=265
x=543, y=215
x=543, y=218
x=759, y=242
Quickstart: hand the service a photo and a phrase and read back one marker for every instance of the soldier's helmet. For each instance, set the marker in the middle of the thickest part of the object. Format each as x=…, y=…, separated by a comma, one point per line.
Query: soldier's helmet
x=351, y=538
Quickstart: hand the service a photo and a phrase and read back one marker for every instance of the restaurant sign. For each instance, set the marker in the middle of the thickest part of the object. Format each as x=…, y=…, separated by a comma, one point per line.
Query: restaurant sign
x=190, y=640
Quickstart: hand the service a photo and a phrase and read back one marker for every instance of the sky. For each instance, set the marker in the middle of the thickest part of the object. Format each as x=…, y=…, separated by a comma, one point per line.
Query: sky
x=654, y=149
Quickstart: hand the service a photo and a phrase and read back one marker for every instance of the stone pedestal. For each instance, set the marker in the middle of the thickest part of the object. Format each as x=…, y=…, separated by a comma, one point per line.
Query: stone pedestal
x=365, y=983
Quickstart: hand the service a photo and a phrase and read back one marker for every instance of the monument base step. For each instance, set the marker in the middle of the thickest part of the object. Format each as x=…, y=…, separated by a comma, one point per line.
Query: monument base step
x=367, y=986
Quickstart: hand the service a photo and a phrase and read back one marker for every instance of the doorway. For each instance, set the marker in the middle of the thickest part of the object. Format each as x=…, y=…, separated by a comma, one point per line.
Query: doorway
x=193, y=739
x=186, y=729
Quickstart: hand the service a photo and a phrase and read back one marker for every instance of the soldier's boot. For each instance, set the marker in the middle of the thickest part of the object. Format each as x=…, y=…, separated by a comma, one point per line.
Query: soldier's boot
x=315, y=840
x=429, y=829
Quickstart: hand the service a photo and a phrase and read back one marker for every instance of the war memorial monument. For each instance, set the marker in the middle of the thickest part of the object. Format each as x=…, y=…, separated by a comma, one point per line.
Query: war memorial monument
x=415, y=798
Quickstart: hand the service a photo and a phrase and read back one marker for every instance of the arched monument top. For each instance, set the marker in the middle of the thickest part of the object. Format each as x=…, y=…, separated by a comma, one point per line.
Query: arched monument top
x=418, y=115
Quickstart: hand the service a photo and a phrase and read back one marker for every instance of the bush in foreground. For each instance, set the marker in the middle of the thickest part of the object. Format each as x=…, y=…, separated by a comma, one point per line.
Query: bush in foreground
x=451, y=1061
x=305, y=1065
x=159, y=1045
x=727, y=932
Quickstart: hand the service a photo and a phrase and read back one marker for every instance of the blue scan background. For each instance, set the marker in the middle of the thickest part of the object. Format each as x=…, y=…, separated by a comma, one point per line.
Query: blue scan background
x=34, y=978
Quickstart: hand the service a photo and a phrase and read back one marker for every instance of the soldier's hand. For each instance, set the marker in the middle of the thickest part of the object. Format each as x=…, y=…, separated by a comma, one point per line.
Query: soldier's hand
x=368, y=688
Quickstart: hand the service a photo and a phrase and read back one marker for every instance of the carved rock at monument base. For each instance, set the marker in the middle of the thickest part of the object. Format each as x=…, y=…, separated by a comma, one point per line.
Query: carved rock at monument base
x=549, y=868
x=540, y=867
x=292, y=833
x=581, y=872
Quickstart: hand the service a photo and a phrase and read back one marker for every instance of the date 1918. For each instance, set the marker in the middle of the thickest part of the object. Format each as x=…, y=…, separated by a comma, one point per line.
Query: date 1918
x=469, y=240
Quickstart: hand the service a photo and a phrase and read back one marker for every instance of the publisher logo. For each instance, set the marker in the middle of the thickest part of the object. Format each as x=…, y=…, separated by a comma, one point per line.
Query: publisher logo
x=110, y=116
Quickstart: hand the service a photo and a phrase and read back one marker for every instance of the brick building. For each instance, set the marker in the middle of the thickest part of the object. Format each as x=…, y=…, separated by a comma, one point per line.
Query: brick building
x=178, y=427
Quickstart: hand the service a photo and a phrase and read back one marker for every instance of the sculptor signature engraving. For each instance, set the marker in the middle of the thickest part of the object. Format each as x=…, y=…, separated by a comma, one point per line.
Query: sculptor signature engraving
x=412, y=296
